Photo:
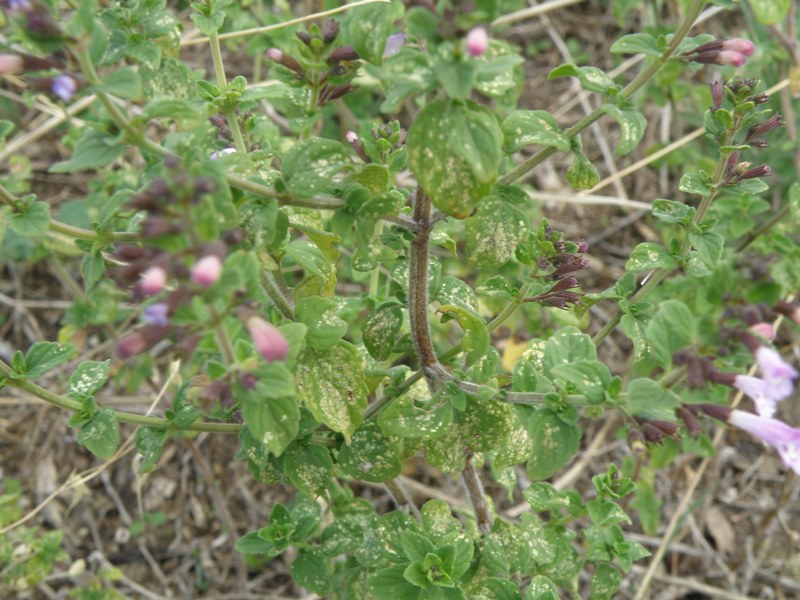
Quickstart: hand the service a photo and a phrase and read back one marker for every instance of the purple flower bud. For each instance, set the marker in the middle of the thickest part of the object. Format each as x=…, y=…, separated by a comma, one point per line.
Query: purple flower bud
x=716, y=411
x=153, y=281
x=692, y=424
x=393, y=44
x=343, y=53
x=739, y=45
x=652, y=433
x=582, y=246
x=330, y=29
x=207, y=270
x=303, y=37
x=64, y=86
x=156, y=314
x=756, y=172
x=785, y=439
x=269, y=342
x=477, y=41
x=285, y=60
x=789, y=310
x=131, y=345
x=717, y=93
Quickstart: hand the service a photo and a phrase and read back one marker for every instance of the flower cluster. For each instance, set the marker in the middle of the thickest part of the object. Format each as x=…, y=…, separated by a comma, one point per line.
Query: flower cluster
x=559, y=266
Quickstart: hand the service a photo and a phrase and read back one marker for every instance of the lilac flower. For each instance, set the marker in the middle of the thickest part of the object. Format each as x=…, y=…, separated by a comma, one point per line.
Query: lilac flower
x=64, y=86
x=156, y=314
x=393, y=44
x=777, y=373
x=761, y=392
x=477, y=41
x=785, y=439
x=220, y=153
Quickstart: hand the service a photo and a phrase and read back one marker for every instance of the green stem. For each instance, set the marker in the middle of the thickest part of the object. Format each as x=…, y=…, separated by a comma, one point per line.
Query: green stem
x=683, y=29
x=222, y=82
x=278, y=293
x=123, y=417
x=76, y=233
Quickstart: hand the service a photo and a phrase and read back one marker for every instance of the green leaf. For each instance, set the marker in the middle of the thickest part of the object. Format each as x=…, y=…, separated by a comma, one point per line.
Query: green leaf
x=527, y=127
x=381, y=329
x=709, y=246
x=93, y=267
x=646, y=399
x=670, y=329
x=454, y=151
x=603, y=512
x=101, y=434
x=581, y=173
x=670, y=211
x=309, y=468
x=367, y=28
x=325, y=327
x=310, y=571
x=172, y=108
x=648, y=256
x=632, y=125
x=567, y=346
x=33, y=221
x=311, y=164
x=331, y=383
x=270, y=409
x=88, y=378
x=770, y=12
x=43, y=356
x=588, y=377
x=123, y=83
x=494, y=233
x=475, y=342
x=391, y=583
x=592, y=79
x=208, y=25
x=94, y=149
x=369, y=456
x=636, y=43
x=553, y=443
x=150, y=443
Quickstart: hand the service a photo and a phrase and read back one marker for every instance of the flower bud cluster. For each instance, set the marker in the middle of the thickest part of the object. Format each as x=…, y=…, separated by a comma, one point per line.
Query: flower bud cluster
x=386, y=146
x=316, y=47
x=733, y=52
x=560, y=265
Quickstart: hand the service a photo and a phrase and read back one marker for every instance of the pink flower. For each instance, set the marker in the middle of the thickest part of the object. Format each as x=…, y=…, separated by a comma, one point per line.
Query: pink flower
x=207, y=270
x=739, y=45
x=269, y=342
x=765, y=330
x=729, y=57
x=477, y=41
x=153, y=281
x=785, y=439
x=10, y=63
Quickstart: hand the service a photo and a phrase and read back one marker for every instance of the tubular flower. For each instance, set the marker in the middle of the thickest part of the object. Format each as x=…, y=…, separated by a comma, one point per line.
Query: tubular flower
x=269, y=342
x=779, y=374
x=761, y=392
x=785, y=439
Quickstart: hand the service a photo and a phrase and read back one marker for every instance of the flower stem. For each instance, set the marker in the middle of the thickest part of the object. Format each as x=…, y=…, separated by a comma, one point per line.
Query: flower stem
x=683, y=29
x=476, y=495
x=222, y=82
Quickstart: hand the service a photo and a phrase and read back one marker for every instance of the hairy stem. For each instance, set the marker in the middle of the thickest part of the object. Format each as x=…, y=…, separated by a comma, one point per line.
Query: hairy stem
x=124, y=417
x=401, y=498
x=277, y=291
x=476, y=495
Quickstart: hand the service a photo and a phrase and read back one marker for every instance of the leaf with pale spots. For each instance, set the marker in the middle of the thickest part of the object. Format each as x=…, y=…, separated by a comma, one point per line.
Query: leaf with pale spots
x=475, y=342
x=331, y=383
x=310, y=571
x=101, y=434
x=269, y=408
x=592, y=79
x=366, y=29
x=381, y=330
x=309, y=468
x=88, y=378
x=369, y=456
x=582, y=174
x=43, y=356
x=631, y=127
x=494, y=232
x=454, y=150
x=553, y=443
x=587, y=377
x=406, y=418
x=319, y=315
x=528, y=127
x=647, y=256
x=453, y=290
x=310, y=166
x=149, y=443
